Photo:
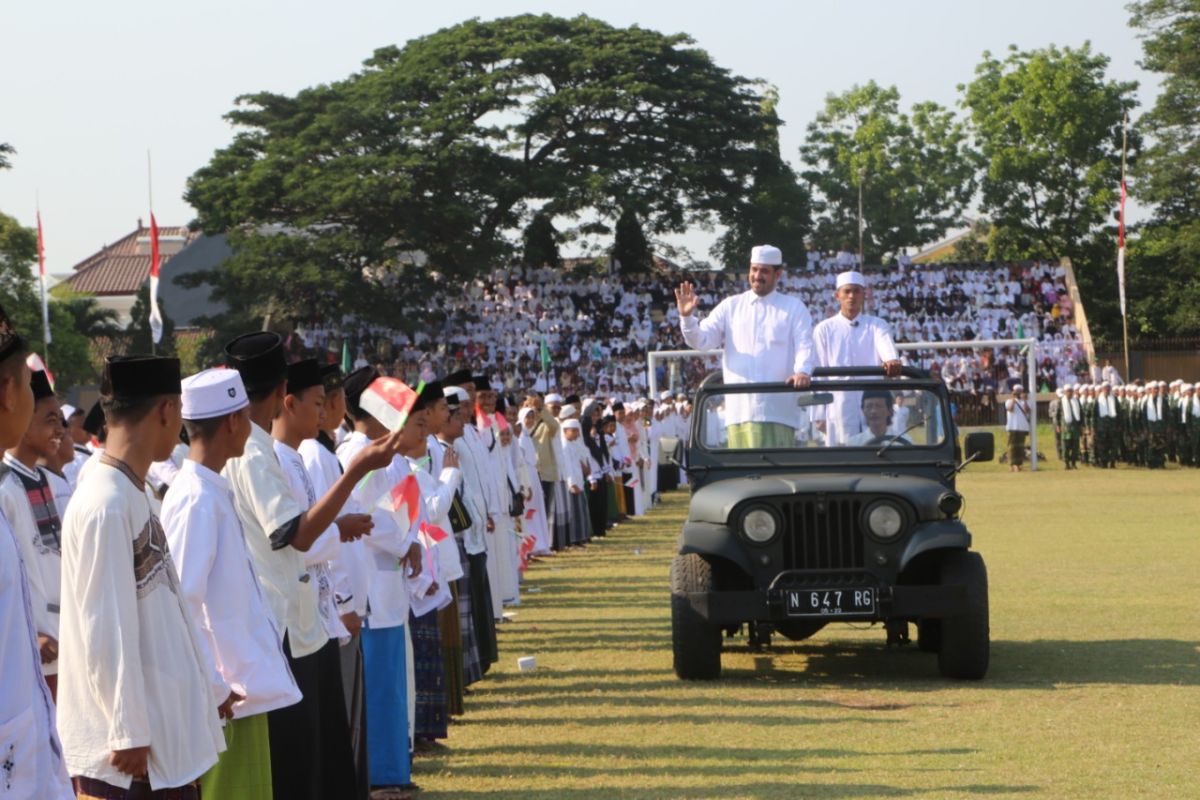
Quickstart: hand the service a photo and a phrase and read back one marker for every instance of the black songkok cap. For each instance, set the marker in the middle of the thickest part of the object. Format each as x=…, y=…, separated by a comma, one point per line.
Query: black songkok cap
x=331, y=376
x=10, y=341
x=140, y=376
x=94, y=420
x=482, y=383
x=618, y=406
x=41, y=385
x=460, y=378
x=259, y=358
x=430, y=394
x=356, y=383
x=303, y=374
x=571, y=400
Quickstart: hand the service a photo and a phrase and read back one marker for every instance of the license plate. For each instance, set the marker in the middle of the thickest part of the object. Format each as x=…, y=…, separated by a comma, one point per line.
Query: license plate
x=830, y=602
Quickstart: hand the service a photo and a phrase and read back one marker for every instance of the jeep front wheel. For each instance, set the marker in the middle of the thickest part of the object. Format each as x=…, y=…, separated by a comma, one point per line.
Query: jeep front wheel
x=965, y=645
x=695, y=642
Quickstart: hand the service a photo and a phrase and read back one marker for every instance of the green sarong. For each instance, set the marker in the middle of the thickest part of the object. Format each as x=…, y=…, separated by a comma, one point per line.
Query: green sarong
x=243, y=771
x=760, y=435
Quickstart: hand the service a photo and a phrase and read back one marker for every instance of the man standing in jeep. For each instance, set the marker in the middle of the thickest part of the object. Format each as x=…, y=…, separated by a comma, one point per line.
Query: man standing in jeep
x=767, y=338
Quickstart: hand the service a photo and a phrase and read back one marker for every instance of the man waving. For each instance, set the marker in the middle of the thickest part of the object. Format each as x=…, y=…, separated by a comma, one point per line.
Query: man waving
x=767, y=338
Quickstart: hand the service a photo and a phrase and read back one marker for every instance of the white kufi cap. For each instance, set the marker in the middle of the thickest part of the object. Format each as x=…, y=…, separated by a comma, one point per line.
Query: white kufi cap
x=767, y=254
x=853, y=277
x=571, y=424
x=213, y=393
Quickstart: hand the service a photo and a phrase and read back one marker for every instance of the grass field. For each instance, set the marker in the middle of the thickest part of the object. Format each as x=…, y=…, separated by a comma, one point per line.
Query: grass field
x=1093, y=692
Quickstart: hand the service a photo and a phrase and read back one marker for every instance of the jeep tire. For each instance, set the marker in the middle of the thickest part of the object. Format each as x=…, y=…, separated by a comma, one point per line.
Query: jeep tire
x=695, y=642
x=964, y=647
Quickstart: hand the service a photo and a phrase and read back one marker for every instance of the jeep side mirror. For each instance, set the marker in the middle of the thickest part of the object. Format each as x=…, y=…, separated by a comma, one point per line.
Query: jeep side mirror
x=980, y=446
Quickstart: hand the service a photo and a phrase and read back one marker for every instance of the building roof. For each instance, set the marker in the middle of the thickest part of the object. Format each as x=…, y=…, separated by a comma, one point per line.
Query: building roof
x=122, y=267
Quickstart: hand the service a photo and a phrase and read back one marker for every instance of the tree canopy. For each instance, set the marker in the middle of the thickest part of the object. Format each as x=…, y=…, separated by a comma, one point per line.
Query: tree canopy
x=447, y=144
x=1048, y=125
x=916, y=170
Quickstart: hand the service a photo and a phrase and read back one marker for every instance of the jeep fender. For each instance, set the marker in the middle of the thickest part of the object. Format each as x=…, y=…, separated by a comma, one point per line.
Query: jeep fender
x=947, y=534
x=709, y=539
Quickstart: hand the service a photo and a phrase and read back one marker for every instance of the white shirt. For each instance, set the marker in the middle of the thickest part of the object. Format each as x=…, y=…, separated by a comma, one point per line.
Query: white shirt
x=131, y=671
x=27, y=733
x=900, y=415
x=766, y=340
x=864, y=341
x=349, y=561
x=265, y=504
x=1018, y=415
x=323, y=550
x=43, y=559
x=390, y=539
x=237, y=631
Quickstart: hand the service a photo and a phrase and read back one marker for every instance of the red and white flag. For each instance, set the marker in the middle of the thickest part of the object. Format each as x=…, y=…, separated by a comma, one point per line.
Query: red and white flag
x=41, y=244
x=156, y=323
x=390, y=401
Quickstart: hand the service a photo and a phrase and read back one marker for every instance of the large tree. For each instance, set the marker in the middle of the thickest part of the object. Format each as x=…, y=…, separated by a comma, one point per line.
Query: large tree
x=916, y=171
x=445, y=145
x=1048, y=125
x=1164, y=257
x=775, y=209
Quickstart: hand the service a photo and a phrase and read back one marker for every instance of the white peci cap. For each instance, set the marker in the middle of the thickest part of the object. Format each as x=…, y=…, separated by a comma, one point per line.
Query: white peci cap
x=767, y=254
x=571, y=424
x=853, y=277
x=213, y=393
x=554, y=398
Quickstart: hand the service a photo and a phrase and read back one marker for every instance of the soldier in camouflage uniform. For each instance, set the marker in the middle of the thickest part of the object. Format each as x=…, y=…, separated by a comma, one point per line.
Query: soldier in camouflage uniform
x=1069, y=423
x=1155, y=409
x=1106, y=416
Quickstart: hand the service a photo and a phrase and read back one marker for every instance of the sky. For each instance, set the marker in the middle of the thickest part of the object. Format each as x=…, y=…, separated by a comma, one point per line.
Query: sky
x=87, y=89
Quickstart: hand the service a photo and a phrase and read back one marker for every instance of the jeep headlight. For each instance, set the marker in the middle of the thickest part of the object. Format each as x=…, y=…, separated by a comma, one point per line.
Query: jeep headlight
x=885, y=520
x=760, y=525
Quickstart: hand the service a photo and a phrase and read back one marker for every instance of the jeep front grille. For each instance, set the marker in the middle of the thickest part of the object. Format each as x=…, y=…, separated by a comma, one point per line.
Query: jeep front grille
x=823, y=533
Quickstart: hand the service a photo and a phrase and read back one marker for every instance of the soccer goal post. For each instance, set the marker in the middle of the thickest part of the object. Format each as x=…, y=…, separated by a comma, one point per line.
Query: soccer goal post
x=1030, y=345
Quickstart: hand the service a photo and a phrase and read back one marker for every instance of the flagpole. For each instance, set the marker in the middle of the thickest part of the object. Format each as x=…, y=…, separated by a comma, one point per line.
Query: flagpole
x=1121, y=247
x=41, y=247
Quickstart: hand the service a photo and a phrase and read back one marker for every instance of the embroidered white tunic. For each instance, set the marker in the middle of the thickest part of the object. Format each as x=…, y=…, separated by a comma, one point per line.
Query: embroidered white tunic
x=131, y=671
x=766, y=340
x=31, y=764
x=237, y=630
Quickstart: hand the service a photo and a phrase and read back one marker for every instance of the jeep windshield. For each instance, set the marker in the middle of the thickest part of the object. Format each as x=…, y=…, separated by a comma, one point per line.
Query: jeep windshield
x=889, y=417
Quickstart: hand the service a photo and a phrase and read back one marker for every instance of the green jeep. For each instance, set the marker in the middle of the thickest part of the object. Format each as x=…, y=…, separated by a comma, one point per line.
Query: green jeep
x=786, y=533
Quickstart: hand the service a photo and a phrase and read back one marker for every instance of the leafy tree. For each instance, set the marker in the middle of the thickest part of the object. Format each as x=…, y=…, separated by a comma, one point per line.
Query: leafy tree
x=630, y=247
x=444, y=145
x=1162, y=270
x=916, y=170
x=1048, y=125
x=6, y=150
x=541, y=242
x=775, y=211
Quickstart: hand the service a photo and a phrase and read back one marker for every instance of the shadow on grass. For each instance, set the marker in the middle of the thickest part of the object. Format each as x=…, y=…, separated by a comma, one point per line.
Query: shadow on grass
x=731, y=770
x=1042, y=663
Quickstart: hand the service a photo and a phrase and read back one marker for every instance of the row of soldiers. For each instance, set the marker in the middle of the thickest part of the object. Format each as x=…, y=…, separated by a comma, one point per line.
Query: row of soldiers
x=1143, y=425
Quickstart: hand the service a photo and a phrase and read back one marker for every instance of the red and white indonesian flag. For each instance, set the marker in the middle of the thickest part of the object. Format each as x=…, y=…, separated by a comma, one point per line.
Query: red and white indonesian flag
x=156, y=322
x=1121, y=249
x=390, y=401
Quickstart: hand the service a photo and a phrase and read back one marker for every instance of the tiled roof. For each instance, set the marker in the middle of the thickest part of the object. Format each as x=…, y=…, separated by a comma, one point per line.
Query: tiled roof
x=119, y=268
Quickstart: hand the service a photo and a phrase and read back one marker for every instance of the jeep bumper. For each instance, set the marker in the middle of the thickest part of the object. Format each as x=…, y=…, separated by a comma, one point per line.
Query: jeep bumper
x=894, y=602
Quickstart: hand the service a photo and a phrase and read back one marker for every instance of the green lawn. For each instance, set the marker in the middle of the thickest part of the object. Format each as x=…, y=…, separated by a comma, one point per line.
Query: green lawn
x=1093, y=692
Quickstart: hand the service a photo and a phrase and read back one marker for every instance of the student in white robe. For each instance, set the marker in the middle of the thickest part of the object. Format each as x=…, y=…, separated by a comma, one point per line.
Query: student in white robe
x=216, y=575
x=535, y=520
x=136, y=699
x=310, y=750
x=80, y=442
x=851, y=338
x=499, y=544
x=27, y=734
x=574, y=461
x=393, y=553
x=28, y=502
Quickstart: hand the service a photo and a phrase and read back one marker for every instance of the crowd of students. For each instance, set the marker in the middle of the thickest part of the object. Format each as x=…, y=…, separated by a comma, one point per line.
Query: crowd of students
x=291, y=601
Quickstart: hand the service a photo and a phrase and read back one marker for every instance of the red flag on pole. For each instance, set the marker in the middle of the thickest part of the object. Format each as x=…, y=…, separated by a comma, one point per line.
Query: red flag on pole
x=41, y=245
x=156, y=325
